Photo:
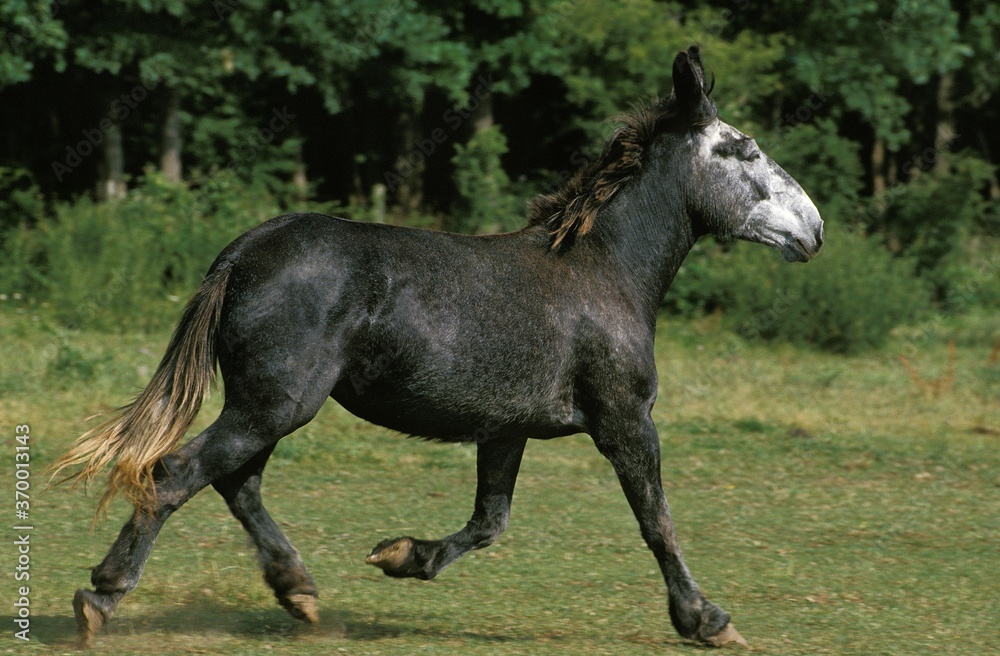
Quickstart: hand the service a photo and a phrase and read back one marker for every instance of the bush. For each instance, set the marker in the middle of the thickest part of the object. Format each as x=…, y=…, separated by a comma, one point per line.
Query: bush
x=846, y=300
x=129, y=264
x=20, y=199
x=487, y=204
x=932, y=218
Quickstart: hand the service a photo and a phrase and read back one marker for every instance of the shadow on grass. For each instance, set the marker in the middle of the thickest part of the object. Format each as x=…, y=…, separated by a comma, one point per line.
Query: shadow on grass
x=208, y=618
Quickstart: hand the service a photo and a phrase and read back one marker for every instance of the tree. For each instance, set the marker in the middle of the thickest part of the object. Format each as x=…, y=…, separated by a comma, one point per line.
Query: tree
x=32, y=33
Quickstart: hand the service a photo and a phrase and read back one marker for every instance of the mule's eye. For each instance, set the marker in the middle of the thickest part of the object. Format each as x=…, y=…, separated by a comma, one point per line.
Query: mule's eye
x=749, y=150
x=744, y=149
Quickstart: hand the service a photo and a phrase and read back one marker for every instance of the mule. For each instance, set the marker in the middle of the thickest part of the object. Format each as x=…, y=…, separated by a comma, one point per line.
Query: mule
x=535, y=334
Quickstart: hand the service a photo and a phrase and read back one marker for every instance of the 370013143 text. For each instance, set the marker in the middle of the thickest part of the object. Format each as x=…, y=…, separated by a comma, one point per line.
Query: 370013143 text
x=22, y=530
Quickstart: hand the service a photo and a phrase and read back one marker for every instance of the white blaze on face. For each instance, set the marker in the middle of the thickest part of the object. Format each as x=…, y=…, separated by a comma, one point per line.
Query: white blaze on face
x=764, y=203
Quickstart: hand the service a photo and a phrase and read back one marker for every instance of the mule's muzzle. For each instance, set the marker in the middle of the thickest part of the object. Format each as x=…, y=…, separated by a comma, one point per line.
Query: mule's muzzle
x=803, y=249
x=803, y=244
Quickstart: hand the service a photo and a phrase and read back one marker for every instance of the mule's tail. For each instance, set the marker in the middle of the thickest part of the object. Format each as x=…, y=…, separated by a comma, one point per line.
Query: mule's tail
x=150, y=427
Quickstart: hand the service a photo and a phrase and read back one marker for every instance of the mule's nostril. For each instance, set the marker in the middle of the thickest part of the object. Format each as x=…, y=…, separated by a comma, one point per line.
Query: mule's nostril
x=819, y=236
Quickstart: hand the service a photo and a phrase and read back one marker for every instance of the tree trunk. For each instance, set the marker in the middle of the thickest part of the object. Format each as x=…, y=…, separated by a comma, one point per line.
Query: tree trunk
x=111, y=180
x=878, y=166
x=170, y=161
x=945, y=132
x=410, y=164
x=300, y=180
x=482, y=118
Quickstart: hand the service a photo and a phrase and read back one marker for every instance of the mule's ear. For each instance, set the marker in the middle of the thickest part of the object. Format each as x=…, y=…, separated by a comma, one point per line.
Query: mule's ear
x=690, y=87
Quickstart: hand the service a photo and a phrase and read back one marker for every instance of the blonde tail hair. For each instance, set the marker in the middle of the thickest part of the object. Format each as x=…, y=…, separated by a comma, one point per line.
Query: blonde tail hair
x=150, y=427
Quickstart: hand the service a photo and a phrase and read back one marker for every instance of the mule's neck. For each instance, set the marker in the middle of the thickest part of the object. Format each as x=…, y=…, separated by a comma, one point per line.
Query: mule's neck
x=644, y=233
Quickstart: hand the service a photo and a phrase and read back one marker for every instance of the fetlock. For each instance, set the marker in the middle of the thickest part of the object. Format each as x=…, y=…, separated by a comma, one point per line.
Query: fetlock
x=294, y=589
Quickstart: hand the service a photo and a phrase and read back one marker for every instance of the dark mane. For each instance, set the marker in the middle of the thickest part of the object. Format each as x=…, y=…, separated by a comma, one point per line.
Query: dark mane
x=570, y=212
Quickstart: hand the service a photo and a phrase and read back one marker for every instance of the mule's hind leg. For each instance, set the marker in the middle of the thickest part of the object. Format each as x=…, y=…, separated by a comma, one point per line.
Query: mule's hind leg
x=283, y=568
x=633, y=448
x=232, y=440
x=497, y=465
x=119, y=572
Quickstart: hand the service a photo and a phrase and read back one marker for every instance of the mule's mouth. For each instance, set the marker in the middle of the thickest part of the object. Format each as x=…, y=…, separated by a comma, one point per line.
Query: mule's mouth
x=793, y=247
x=798, y=235
x=797, y=250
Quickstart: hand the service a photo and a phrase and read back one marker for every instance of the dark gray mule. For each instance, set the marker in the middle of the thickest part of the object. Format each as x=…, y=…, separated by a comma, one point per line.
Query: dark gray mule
x=538, y=333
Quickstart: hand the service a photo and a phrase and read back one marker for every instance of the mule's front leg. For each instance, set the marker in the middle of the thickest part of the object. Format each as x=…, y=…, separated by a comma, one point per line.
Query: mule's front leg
x=634, y=451
x=497, y=463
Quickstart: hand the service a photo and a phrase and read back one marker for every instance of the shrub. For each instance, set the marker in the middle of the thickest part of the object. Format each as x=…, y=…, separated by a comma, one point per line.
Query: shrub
x=21, y=207
x=487, y=204
x=846, y=300
x=129, y=264
x=932, y=218
x=20, y=199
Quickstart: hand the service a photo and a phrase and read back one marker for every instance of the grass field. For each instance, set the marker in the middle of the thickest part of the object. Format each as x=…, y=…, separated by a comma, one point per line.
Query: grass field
x=832, y=505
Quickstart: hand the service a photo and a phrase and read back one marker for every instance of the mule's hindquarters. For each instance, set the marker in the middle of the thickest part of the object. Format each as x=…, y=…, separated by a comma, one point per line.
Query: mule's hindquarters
x=277, y=353
x=230, y=454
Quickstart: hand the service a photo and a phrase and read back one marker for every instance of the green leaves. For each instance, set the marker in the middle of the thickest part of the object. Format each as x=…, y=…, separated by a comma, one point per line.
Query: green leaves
x=616, y=54
x=844, y=94
x=482, y=183
x=30, y=33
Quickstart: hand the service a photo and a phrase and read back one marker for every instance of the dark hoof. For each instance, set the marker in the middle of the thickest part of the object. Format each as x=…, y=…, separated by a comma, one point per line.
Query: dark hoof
x=393, y=557
x=301, y=607
x=90, y=615
x=728, y=635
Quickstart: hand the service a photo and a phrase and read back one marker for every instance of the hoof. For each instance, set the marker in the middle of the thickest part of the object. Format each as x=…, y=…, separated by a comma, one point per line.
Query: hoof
x=301, y=607
x=90, y=617
x=727, y=635
x=391, y=555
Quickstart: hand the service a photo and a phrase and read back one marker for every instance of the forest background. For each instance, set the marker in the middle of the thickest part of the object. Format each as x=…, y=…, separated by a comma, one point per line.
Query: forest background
x=137, y=137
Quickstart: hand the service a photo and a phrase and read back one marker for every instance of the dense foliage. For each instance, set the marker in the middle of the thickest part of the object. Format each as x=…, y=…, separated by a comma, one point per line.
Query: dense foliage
x=130, y=127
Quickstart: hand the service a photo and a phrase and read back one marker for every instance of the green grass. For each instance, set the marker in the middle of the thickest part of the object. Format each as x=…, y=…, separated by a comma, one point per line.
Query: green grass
x=830, y=505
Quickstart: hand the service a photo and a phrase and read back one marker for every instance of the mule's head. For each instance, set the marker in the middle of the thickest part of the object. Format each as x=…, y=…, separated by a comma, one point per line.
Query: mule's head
x=733, y=189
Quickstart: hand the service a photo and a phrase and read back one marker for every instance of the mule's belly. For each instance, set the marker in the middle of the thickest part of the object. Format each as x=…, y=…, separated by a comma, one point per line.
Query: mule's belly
x=454, y=411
